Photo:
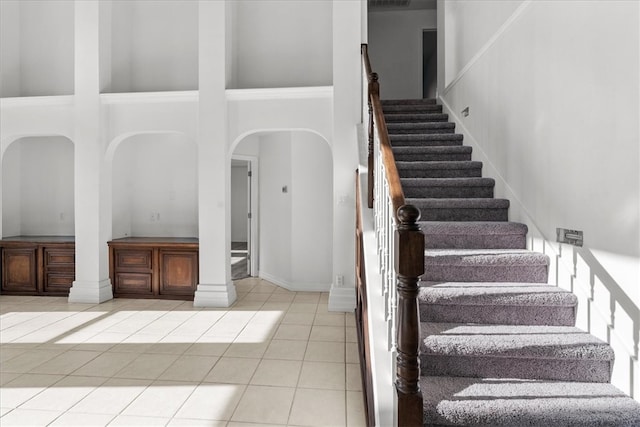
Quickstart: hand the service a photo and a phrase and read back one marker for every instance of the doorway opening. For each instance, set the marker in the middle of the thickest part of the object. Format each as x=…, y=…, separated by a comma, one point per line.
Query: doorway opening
x=429, y=63
x=242, y=217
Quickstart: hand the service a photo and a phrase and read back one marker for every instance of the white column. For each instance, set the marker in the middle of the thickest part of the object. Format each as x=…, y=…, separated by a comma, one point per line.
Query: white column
x=347, y=16
x=215, y=288
x=92, y=284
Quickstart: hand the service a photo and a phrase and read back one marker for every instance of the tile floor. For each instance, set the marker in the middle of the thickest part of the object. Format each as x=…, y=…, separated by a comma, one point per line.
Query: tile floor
x=274, y=358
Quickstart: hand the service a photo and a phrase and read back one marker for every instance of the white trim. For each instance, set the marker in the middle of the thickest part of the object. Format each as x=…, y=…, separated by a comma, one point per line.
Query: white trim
x=310, y=92
x=295, y=287
x=515, y=15
x=149, y=97
x=88, y=292
x=36, y=101
x=342, y=298
x=209, y=295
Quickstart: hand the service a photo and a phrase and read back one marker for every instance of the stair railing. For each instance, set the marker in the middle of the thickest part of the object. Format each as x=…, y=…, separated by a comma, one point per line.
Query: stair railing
x=400, y=253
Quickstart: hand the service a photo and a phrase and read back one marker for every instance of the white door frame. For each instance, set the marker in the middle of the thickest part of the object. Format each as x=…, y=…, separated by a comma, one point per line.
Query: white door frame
x=253, y=210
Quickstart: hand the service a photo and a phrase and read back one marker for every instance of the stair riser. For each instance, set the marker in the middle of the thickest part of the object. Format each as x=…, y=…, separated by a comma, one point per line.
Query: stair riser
x=484, y=273
x=464, y=214
x=408, y=131
x=449, y=192
x=423, y=101
x=426, y=140
x=448, y=241
x=431, y=157
x=415, y=118
x=498, y=314
x=412, y=109
x=514, y=367
x=440, y=173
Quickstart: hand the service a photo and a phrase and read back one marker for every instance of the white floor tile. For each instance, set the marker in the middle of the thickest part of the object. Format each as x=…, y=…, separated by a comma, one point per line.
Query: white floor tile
x=147, y=366
x=283, y=373
x=269, y=405
x=318, y=408
x=212, y=402
x=322, y=375
x=23, y=388
x=232, y=370
x=82, y=420
x=133, y=421
x=189, y=368
x=160, y=399
x=286, y=350
x=29, y=417
x=111, y=397
x=64, y=394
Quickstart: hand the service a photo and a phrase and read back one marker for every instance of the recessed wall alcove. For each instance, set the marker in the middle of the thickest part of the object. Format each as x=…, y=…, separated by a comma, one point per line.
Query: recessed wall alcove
x=36, y=48
x=148, y=46
x=155, y=187
x=38, y=187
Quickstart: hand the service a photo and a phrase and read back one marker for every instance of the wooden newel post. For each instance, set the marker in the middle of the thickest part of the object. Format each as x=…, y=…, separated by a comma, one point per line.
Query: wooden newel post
x=374, y=88
x=409, y=264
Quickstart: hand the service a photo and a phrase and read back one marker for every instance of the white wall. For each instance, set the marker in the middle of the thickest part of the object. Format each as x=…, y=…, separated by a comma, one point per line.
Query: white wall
x=239, y=202
x=37, y=48
x=312, y=211
x=295, y=227
x=155, y=187
x=9, y=48
x=11, y=187
x=38, y=187
x=281, y=43
x=275, y=207
x=554, y=105
x=395, y=50
x=154, y=46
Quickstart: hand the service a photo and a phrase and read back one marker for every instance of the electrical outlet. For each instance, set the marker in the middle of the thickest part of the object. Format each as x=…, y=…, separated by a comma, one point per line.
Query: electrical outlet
x=339, y=280
x=572, y=237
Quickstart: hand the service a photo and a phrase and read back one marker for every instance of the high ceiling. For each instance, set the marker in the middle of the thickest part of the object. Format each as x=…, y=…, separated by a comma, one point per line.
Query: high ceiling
x=381, y=5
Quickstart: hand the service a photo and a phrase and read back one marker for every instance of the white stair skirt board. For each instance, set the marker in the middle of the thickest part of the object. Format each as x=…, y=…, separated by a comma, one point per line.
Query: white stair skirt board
x=90, y=292
x=342, y=298
x=294, y=287
x=208, y=295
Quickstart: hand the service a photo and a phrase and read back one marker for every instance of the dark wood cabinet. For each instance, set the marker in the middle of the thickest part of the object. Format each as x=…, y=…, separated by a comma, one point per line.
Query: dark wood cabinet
x=37, y=265
x=154, y=267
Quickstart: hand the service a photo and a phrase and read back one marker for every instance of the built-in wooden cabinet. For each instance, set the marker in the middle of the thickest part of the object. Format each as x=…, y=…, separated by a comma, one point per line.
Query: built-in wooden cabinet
x=154, y=267
x=37, y=265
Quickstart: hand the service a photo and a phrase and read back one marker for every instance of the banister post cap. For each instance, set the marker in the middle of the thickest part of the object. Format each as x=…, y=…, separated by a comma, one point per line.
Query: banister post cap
x=408, y=214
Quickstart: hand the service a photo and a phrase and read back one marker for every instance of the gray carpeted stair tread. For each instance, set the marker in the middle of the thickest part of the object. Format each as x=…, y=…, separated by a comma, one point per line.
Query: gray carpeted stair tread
x=423, y=101
x=431, y=153
x=432, y=139
x=508, y=351
x=476, y=402
x=428, y=127
x=470, y=209
x=439, y=169
x=496, y=303
x=457, y=149
x=485, y=265
x=395, y=117
x=474, y=234
x=483, y=293
x=412, y=108
x=448, y=187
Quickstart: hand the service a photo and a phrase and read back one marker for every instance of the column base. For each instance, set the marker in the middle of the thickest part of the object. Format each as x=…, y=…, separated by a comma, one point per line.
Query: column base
x=342, y=298
x=87, y=292
x=215, y=295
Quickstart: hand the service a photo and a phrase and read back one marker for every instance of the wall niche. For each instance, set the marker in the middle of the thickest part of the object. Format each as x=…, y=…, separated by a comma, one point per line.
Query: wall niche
x=149, y=46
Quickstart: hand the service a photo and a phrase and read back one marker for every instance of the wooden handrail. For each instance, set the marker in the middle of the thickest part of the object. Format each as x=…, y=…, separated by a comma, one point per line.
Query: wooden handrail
x=408, y=262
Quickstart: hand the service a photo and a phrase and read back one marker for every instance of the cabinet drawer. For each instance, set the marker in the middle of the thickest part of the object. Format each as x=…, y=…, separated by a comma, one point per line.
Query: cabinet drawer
x=132, y=259
x=58, y=282
x=63, y=258
x=133, y=283
x=19, y=270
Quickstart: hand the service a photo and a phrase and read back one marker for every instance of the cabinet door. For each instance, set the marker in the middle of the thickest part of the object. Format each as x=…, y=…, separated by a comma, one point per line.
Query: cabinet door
x=19, y=270
x=59, y=270
x=178, y=272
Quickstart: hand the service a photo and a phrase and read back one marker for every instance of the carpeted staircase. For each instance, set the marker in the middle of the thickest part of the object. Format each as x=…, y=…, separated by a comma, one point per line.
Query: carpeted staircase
x=499, y=346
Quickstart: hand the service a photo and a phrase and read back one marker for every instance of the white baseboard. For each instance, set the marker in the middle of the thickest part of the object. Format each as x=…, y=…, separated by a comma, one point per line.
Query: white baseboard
x=295, y=287
x=91, y=292
x=210, y=295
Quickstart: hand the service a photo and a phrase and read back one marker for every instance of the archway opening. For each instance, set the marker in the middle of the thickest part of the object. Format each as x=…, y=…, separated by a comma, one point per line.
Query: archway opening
x=293, y=212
